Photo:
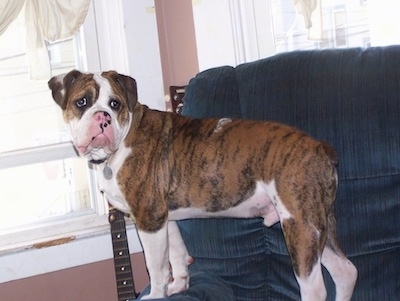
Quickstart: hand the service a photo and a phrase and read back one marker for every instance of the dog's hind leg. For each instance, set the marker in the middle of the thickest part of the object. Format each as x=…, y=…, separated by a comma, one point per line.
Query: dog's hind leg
x=304, y=239
x=342, y=271
x=179, y=259
x=304, y=246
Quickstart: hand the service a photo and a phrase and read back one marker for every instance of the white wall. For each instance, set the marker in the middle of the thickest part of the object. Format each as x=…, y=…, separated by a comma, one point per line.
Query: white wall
x=214, y=37
x=144, y=51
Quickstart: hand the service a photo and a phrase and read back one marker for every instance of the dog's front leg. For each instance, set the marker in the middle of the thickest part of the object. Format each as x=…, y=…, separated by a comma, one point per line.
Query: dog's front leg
x=155, y=247
x=179, y=259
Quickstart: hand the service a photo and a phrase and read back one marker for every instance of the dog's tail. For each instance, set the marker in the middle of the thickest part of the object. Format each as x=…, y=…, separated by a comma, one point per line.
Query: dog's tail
x=330, y=152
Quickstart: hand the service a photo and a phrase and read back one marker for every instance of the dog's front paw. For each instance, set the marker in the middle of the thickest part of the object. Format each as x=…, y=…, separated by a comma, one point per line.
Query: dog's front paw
x=179, y=284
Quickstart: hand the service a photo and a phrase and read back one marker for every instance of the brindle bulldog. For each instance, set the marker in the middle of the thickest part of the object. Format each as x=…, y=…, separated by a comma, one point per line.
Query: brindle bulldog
x=161, y=167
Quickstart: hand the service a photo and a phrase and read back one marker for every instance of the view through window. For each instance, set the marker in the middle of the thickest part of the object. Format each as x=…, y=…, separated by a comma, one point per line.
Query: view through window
x=52, y=187
x=341, y=24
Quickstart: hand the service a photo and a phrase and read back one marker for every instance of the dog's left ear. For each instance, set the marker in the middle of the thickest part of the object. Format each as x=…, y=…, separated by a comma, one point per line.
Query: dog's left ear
x=127, y=83
x=58, y=85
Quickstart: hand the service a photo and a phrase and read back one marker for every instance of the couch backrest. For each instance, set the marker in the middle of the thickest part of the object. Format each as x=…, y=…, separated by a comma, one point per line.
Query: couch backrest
x=348, y=97
x=213, y=93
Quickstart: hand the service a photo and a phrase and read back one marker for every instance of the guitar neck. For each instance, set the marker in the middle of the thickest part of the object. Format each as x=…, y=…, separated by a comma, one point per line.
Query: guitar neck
x=122, y=259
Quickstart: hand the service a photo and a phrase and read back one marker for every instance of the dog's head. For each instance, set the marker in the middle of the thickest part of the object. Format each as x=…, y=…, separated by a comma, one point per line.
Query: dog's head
x=97, y=109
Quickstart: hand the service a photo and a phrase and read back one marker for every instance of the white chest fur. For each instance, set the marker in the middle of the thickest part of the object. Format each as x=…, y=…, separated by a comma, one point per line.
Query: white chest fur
x=107, y=181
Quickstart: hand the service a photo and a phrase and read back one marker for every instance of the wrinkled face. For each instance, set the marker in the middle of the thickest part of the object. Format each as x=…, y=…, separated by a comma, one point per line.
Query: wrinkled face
x=97, y=110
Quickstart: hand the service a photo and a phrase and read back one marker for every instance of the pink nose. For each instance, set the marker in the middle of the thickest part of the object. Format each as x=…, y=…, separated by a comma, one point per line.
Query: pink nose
x=103, y=119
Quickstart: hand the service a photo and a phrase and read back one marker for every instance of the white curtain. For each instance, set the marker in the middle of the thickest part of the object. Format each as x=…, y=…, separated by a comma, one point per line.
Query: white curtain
x=312, y=13
x=306, y=7
x=9, y=10
x=46, y=20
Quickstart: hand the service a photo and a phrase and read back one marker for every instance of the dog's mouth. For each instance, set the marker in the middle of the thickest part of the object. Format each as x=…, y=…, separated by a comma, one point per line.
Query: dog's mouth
x=98, y=150
x=99, y=141
x=98, y=155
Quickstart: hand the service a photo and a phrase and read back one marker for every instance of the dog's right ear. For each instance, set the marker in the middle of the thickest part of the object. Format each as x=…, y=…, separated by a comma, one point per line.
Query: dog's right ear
x=60, y=83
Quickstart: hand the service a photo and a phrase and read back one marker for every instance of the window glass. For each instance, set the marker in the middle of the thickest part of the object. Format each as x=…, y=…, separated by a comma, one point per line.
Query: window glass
x=342, y=23
x=44, y=191
x=51, y=187
x=28, y=111
x=338, y=24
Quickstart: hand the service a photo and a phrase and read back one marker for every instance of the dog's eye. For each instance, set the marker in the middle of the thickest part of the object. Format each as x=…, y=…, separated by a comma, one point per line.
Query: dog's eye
x=81, y=102
x=115, y=104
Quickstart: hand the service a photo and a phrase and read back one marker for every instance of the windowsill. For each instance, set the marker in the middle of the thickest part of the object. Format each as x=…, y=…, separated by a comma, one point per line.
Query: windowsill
x=62, y=243
x=55, y=253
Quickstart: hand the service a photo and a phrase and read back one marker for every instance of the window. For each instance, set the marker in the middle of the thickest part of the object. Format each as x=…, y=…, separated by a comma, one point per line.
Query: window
x=344, y=23
x=242, y=31
x=46, y=189
x=262, y=28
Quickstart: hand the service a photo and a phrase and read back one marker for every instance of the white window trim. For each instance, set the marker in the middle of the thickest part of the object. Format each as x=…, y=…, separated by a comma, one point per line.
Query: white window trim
x=84, y=239
x=251, y=20
x=38, y=154
x=111, y=40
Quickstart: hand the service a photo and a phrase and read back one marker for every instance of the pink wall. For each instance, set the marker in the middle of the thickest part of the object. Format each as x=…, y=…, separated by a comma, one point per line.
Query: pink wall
x=92, y=282
x=177, y=41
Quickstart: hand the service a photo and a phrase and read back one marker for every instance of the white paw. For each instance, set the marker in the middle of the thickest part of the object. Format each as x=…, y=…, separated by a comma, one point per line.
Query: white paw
x=151, y=296
x=178, y=285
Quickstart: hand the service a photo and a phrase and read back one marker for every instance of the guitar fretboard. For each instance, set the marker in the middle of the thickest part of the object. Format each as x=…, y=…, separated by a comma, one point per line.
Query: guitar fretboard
x=122, y=259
